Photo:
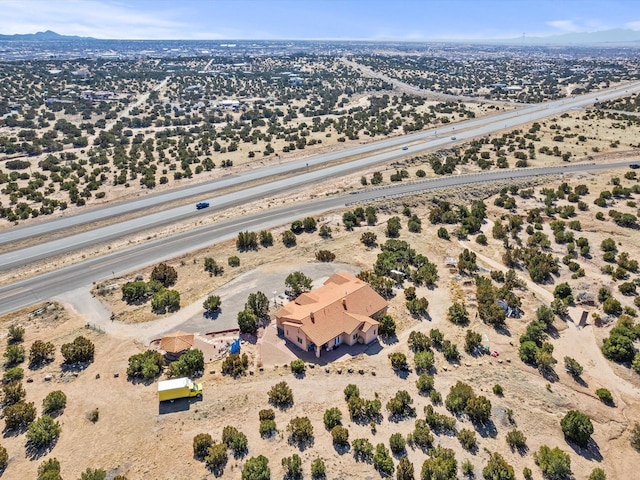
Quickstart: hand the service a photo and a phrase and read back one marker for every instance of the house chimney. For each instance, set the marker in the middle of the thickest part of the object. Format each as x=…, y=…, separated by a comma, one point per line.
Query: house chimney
x=313, y=320
x=344, y=302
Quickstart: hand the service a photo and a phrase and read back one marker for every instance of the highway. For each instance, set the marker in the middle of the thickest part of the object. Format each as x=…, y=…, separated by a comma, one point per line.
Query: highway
x=376, y=153
x=26, y=292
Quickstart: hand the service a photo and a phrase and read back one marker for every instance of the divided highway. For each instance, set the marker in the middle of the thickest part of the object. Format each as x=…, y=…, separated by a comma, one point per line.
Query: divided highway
x=42, y=287
x=417, y=142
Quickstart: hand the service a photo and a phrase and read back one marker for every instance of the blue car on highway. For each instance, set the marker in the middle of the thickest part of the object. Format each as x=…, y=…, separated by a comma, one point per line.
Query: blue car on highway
x=202, y=205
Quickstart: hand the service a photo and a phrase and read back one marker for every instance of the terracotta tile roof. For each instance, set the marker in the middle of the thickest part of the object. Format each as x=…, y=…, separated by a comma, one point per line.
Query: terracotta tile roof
x=343, y=304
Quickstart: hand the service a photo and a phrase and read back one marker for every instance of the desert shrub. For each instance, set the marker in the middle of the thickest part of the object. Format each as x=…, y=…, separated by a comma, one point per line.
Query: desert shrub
x=14, y=355
x=497, y=390
x=387, y=327
x=498, y=468
x=4, y=458
x=54, y=402
x=398, y=361
x=41, y=352
x=362, y=450
x=467, y=468
x=235, y=365
x=421, y=435
x=16, y=334
x=292, y=467
x=281, y=395
x=478, y=409
x=467, y=439
x=397, y=443
x=267, y=428
x=80, y=350
x=438, y=422
x=216, y=458
x=458, y=396
x=297, y=366
x=201, y=444
x=382, y=461
x=164, y=274
x=332, y=417
x=233, y=261
x=634, y=438
x=340, y=435
x=289, y=239
x=423, y=361
x=572, y=367
x=351, y=390
x=235, y=440
x=424, y=384
x=93, y=474
x=211, y=266
x=165, y=300
x=577, y=427
x=605, y=396
x=300, y=430
x=450, y=351
x=318, y=469
x=419, y=342
x=266, y=414
x=13, y=393
x=19, y=415
x=266, y=240
x=145, y=365
x=598, y=474
x=256, y=468
x=516, y=440
x=554, y=463
x=400, y=405
x=43, y=432
x=12, y=374
x=472, y=340
x=325, y=256
x=442, y=464
x=458, y=314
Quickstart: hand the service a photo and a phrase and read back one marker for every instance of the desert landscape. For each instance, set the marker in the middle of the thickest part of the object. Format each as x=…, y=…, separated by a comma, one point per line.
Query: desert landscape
x=509, y=344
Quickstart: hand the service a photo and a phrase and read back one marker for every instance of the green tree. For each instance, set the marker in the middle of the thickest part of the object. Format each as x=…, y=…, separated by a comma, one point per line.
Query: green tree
x=497, y=468
x=216, y=458
x=340, y=435
x=164, y=274
x=54, y=402
x=190, y=364
x=598, y=474
x=387, y=327
x=165, y=300
x=467, y=261
x=247, y=321
x=572, y=367
x=212, y=303
x=393, y=227
x=577, y=427
x=4, y=458
x=13, y=393
x=211, y=266
x=258, y=303
x=472, y=341
x=478, y=409
x=423, y=361
x=467, y=439
x=80, y=350
x=397, y=443
x=134, y=292
x=400, y=405
x=362, y=450
x=266, y=238
x=235, y=365
x=297, y=366
x=419, y=342
x=398, y=361
x=458, y=397
x=517, y=441
x=235, y=440
x=43, y=432
x=554, y=463
x=16, y=334
x=369, y=239
x=289, y=238
x=424, y=384
x=256, y=468
x=298, y=283
x=147, y=365
x=545, y=315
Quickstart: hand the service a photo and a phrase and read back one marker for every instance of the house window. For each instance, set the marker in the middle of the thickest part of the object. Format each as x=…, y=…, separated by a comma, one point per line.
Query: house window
x=355, y=336
x=299, y=340
x=336, y=342
x=375, y=331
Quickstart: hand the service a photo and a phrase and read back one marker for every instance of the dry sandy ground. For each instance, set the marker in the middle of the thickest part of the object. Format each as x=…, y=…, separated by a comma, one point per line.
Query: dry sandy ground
x=133, y=437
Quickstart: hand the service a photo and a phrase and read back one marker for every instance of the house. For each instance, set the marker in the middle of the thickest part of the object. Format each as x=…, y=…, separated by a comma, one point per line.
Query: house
x=343, y=310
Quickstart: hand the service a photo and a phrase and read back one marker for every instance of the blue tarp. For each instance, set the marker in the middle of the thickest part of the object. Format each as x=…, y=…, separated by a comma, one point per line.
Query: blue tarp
x=235, y=346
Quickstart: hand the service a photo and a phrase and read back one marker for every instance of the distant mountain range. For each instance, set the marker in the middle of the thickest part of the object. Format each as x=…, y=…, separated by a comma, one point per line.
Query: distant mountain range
x=42, y=36
x=613, y=36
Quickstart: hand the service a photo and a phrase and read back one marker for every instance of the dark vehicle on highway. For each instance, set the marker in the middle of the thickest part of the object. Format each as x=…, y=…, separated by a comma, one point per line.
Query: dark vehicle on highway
x=634, y=165
x=202, y=205
x=405, y=148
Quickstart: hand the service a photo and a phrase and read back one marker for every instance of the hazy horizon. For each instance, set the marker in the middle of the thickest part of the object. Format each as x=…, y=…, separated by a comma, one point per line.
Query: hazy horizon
x=369, y=20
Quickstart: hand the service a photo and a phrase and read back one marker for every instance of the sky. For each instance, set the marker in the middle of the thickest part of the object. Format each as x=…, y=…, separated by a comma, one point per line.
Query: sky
x=408, y=20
